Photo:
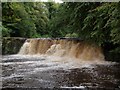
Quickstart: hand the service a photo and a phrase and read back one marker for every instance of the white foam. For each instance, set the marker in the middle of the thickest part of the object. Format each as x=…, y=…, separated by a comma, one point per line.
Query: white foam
x=12, y=76
x=53, y=62
x=74, y=87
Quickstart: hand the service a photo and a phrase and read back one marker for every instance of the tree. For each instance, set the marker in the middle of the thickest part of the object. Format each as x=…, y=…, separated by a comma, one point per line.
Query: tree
x=25, y=19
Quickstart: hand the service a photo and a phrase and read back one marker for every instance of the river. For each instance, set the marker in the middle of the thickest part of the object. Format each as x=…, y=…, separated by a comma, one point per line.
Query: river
x=40, y=72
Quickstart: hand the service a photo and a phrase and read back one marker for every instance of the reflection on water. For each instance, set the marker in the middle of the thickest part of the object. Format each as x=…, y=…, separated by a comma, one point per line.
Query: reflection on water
x=42, y=72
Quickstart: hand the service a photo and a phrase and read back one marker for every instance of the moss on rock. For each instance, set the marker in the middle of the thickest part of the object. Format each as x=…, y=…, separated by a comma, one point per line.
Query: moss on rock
x=11, y=45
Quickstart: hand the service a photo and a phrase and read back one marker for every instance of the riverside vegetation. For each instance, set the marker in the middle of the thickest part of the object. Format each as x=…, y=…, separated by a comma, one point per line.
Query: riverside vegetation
x=95, y=22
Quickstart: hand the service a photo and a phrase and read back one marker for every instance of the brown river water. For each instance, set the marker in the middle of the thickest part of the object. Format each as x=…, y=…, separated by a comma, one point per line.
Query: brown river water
x=40, y=72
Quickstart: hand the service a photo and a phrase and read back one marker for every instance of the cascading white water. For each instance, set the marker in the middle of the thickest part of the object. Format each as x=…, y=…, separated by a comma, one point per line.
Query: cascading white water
x=24, y=49
x=62, y=48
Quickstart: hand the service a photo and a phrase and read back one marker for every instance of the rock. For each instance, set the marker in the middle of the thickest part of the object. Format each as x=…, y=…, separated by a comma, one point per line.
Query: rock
x=11, y=45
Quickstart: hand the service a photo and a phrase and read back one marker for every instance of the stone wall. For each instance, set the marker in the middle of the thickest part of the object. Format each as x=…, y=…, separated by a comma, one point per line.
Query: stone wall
x=11, y=45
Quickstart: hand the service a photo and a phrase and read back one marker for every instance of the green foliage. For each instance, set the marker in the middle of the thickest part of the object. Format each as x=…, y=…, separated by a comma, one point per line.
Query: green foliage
x=71, y=35
x=5, y=32
x=115, y=25
x=25, y=19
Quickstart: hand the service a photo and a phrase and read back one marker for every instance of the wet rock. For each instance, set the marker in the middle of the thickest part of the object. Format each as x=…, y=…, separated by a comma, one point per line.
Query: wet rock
x=11, y=45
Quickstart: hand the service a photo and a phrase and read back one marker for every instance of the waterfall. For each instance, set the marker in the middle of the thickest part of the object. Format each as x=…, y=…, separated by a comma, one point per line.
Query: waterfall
x=71, y=48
